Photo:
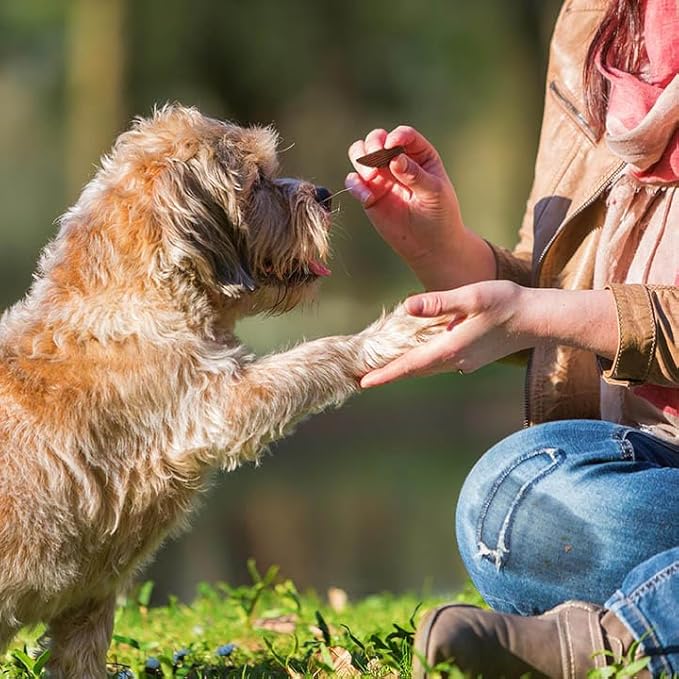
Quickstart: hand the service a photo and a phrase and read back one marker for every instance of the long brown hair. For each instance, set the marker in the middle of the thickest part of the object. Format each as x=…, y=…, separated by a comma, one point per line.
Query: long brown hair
x=617, y=41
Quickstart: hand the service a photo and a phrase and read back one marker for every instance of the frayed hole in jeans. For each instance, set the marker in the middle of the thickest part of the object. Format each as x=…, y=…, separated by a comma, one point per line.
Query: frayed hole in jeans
x=522, y=475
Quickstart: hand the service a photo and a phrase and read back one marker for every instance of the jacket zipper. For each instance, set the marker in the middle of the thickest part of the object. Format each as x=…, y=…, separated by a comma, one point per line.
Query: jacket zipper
x=579, y=119
x=602, y=187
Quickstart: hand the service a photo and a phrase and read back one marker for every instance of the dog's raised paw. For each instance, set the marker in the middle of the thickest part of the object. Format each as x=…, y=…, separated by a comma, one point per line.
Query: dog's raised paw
x=398, y=332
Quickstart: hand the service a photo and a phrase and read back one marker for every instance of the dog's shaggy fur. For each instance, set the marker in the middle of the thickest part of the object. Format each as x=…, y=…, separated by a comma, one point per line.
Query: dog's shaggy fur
x=122, y=384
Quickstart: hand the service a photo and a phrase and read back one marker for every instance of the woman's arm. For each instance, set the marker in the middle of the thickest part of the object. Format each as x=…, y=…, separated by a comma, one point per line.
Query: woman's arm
x=493, y=319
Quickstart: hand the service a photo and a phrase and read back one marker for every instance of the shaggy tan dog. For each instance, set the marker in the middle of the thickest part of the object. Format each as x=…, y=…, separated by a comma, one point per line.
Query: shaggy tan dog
x=122, y=384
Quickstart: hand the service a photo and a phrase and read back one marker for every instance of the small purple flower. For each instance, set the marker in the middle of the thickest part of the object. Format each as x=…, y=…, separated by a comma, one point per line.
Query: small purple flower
x=152, y=664
x=179, y=655
x=225, y=650
x=125, y=673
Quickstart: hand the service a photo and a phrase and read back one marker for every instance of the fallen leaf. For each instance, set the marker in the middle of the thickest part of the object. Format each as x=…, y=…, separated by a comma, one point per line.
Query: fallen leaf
x=341, y=661
x=376, y=668
x=316, y=631
x=282, y=624
x=338, y=599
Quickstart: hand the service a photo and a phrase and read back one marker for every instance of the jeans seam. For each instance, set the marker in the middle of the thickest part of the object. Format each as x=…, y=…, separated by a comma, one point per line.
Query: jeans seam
x=653, y=582
x=625, y=445
x=497, y=555
x=627, y=610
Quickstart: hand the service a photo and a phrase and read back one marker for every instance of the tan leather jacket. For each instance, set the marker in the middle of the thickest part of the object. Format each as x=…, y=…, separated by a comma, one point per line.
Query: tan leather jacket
x=559, y=236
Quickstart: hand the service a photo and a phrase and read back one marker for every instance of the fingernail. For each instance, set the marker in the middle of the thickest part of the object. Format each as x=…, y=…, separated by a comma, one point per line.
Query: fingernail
x=401, y=164
x=359, y=192
x=415, y=306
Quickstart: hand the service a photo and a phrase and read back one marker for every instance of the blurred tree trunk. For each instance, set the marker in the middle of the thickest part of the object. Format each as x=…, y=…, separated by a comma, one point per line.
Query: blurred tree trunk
x=94, y=91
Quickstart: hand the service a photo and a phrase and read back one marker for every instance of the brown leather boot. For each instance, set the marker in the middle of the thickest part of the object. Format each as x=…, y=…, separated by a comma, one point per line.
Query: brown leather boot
x=563, y=642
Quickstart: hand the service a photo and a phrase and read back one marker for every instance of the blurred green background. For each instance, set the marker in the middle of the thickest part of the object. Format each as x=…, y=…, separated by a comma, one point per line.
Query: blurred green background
x=362, y=497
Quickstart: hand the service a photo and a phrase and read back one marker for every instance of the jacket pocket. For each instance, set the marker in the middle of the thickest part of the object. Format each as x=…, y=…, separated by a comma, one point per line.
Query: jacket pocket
x=565, y=100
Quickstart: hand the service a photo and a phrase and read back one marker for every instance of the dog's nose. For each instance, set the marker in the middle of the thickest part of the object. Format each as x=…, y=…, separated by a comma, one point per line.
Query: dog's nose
x=323, y=196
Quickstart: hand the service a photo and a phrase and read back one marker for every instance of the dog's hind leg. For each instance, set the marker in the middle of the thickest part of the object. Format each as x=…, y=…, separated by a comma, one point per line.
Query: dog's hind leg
x=79, y=639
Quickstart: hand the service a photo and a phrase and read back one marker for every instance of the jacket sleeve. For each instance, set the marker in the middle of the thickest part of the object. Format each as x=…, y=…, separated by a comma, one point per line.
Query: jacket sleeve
x=648, y=342
x=514, y=265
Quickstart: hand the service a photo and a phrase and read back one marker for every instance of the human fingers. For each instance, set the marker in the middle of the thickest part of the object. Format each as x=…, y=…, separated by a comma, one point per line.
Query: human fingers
x=375, y=140
x=416, y=144
x=359, y=189
x=438, y=303
x=357, y=150
x=414, y=176
x=380, y=180
x=434, y=356
x=367, y=192
x=376, y=181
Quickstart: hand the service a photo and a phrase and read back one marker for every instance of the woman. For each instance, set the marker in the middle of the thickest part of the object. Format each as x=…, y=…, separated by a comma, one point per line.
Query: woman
x=569, y=528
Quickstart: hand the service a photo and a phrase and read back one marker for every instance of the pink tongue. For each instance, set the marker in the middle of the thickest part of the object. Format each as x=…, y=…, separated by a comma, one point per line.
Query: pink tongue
x=318, y=269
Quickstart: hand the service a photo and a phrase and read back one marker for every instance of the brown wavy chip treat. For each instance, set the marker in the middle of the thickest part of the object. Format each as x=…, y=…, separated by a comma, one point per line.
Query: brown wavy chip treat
x=380, y=158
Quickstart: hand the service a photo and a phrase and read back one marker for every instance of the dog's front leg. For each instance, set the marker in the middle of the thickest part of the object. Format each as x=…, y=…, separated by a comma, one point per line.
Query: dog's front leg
x=79, y=639
x=274, y=392
x=7, y=633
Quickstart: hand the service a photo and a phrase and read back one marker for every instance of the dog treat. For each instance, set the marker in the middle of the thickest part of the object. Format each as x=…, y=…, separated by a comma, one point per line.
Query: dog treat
x=380, y=158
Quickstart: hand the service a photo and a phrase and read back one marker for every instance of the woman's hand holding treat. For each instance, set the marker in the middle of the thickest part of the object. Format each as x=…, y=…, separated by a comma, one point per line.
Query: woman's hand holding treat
x=412, y=204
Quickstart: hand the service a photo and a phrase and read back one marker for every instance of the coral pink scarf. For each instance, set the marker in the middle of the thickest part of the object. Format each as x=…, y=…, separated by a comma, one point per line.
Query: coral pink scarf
x=643, y=109
x=639, y=240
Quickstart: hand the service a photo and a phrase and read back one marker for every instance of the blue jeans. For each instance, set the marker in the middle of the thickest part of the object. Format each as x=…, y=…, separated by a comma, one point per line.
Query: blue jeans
x=579, y=509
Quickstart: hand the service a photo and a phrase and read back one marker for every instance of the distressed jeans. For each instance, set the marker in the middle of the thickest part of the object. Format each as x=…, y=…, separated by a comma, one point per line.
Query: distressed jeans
x=579, y=509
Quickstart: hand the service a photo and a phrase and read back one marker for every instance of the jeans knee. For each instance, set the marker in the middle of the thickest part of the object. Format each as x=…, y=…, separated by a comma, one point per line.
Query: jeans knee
x=523, y=507
x=511, y=472
x=495, y=493
x=497, y=508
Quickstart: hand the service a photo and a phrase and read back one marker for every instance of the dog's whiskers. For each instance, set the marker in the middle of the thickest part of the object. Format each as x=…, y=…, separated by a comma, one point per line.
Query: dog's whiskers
x=337, y=193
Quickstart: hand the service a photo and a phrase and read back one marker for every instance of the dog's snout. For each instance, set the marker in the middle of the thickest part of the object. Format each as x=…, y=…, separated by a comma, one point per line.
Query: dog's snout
x=323, y=196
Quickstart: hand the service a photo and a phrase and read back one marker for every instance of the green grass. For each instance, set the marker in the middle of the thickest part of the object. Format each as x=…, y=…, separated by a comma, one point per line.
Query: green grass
x=270, y=629
x=267, y=629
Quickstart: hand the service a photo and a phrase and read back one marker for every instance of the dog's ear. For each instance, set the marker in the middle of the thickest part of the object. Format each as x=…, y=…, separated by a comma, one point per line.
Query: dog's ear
x=203, y=237
x=244, y=151
x=221, y=242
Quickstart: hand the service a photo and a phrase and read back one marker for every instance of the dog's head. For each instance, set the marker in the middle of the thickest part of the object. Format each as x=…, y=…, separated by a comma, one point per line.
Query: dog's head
x=225, y=222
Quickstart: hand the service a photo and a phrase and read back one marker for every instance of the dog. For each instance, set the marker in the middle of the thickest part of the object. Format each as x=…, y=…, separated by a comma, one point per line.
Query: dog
x=122, y=383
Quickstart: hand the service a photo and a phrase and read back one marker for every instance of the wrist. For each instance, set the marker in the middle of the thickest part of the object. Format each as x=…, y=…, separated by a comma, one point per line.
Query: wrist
x=434, y=268
x=585, y=319
x=464, y=258
x=529, y=322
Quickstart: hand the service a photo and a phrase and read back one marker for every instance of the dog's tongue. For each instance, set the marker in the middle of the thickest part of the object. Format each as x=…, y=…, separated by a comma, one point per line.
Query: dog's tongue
x=318, y=269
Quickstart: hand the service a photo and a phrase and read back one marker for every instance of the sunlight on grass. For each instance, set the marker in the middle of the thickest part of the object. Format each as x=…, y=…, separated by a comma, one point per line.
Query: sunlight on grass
x=267, y=629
